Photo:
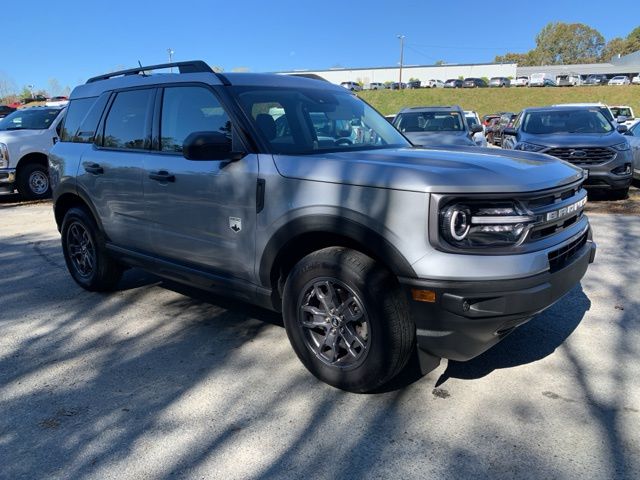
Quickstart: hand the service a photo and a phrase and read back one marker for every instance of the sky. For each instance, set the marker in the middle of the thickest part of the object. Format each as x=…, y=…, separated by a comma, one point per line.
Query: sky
x=78, y=39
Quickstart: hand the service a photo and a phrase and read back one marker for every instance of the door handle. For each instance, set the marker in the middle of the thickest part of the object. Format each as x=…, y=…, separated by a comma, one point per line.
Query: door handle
x=162, y=176
x=94, y=168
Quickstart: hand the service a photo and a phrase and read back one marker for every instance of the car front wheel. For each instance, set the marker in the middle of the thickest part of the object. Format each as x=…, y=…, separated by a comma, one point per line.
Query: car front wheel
x=347, y=319
x=33, y=182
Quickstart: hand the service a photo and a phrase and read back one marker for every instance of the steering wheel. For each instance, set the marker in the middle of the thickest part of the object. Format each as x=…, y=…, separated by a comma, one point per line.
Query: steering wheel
x=343, y=141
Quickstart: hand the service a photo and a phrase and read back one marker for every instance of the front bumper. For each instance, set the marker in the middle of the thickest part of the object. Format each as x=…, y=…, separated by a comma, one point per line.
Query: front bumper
x=467, y=318
x=7, y=179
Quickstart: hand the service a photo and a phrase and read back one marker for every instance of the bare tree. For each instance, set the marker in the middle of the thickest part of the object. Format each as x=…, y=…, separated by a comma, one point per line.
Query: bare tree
x=54, y=87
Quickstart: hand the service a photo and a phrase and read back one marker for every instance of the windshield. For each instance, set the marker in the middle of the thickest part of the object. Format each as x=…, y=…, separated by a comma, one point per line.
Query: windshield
x=29, y=119
x=566, y=121
x=471, y=120
x=429, y=122
x=621, y=111
x=304, y=121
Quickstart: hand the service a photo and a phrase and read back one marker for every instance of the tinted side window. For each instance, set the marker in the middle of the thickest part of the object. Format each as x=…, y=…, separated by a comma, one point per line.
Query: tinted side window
x=190, y=109
x=128, y=120
x=76, y=111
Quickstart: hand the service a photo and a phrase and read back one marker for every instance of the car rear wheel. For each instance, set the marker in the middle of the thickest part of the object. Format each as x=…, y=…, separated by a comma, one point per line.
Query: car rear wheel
x=85, y=253
x=347, y=319
x=33, y=182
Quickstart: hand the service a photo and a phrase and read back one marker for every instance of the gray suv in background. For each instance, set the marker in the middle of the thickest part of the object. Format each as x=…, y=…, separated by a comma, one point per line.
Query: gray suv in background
x=294, y=195
x=582, y=136
x=436, y=126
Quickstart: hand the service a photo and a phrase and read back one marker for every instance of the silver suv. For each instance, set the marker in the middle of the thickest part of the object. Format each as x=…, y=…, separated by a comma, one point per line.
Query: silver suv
x=295, y=195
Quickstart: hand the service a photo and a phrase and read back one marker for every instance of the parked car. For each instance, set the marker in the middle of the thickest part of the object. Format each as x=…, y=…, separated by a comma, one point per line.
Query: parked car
x=492, y=127
x=499, y=82
x=369, y=247
x=521, y=81
x=26, y=136
x=390, y=118
x=593, y=80
x=453, y=83
x=353, y=86
x=568, y=80
x=636, y=80
x=434, y=84
x=473, y=119
x=620, y=80
x=34, y=98
x=633, y=137
x=474, y=83
x=582, y=136
x=398, y=86
x=413, y=84
x=6, y=110
x=436, y=126
x=623, y=114
x=505, y=121
x=375, y=86
x=541, y=80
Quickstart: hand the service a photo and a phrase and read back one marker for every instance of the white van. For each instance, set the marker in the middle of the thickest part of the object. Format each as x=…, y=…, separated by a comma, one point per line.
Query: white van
x=541, y=80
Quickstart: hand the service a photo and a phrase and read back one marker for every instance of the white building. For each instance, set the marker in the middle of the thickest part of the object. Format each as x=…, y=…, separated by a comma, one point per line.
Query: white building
x=421, y=72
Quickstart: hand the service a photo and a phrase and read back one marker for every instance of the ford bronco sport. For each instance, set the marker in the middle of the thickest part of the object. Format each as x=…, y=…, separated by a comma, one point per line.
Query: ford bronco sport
x=293, y=194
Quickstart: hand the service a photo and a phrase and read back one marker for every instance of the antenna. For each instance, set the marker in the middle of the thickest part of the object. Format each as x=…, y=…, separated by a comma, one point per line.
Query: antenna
x=141, y=69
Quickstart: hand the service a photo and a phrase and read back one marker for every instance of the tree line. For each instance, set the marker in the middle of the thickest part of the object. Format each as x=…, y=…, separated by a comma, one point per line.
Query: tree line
x=561, y=43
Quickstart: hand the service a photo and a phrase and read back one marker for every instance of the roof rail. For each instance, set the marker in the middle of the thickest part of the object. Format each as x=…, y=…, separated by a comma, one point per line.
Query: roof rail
x=194, y=66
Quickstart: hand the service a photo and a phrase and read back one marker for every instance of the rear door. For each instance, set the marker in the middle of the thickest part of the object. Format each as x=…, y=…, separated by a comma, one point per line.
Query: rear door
x=199, y=212
x=111, y=172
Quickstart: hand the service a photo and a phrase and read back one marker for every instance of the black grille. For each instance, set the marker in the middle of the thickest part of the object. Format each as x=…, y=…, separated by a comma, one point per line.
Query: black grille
x=542, y=205
x=558, y=258
x=583, y=156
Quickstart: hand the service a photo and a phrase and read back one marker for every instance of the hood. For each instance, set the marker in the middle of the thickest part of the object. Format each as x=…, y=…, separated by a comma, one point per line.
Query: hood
x=438, y=139
x=575, y=139
x=454, y=170
x=8, y=136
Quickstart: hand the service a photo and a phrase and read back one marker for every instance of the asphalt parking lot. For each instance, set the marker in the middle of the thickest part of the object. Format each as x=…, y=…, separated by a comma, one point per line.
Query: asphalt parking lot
x=160, y=381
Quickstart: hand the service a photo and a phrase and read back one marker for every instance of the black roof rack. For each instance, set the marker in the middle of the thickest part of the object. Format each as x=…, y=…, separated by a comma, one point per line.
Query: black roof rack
x=194, y=66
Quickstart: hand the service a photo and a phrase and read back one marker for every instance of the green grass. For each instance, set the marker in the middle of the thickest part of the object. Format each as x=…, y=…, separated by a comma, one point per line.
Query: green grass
x=490, y=100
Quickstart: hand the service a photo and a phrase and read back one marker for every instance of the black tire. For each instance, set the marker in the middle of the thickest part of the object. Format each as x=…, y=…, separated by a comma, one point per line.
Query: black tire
x=619, y=194
x=384, y=334
x=33, y=182
x=102, y=272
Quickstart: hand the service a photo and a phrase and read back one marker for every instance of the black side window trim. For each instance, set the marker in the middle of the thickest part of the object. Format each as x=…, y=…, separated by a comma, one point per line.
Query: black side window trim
x=99, y=138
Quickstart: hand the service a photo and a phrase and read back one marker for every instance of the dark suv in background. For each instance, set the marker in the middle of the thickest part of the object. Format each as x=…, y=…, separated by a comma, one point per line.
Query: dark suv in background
x=582, y=136
x=474, y=83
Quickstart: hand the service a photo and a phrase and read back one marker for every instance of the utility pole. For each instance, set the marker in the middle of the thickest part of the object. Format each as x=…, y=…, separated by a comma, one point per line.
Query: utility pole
x=401, y=38
x=170, y=52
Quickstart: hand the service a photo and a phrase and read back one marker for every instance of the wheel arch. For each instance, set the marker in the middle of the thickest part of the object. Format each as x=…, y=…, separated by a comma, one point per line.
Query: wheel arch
x=304, y=235
x=30, y=158
x=69, y=197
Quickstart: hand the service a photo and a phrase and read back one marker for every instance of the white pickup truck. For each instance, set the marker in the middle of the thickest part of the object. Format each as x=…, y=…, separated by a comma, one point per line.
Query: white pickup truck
x=26, y=136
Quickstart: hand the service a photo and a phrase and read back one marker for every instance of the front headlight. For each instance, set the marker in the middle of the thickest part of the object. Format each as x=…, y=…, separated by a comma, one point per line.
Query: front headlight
x=4, y=155
x=529, y=147
x=622, y=147
x=485, y=224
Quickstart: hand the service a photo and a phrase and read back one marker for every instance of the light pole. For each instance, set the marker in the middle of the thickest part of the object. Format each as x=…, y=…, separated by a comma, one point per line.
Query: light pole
x=170, y=52
x=401, y=38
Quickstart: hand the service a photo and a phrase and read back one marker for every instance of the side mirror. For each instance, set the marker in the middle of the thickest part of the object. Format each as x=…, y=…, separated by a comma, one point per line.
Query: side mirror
x=476, y=129
x=621, y=119
x=509, y=131
x=209, y=146
x=622, y=129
